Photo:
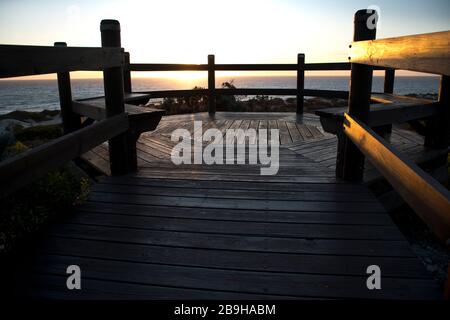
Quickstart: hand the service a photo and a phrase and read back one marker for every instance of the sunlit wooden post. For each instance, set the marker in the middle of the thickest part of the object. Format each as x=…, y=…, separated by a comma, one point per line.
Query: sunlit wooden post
x=352, y=166
x=211, y=85
x=122, y=149
x=126, y=73
x=70, y=120
x=300, y=81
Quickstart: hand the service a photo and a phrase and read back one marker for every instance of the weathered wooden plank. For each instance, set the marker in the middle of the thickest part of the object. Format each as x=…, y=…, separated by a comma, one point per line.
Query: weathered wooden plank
x=54, y=287
x=209, y=202
x=96, y=109
x=235, y=259
x=214, y=214
x=429, y=199
x=257, y=185
x=250, y=282
x=285, y=137
x=146, y=173
x=161, y=190
x=427, y=52
x=288, y=230
x=97, y=162
x=293, y=131
x=382, y=114
x=205, y=240
x=17, y=60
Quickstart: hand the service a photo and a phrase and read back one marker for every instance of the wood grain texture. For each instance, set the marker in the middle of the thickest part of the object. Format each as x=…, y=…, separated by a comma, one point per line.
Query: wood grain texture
x=429, y=199
x=197, y=231
x=16, y=61
x=429, y=53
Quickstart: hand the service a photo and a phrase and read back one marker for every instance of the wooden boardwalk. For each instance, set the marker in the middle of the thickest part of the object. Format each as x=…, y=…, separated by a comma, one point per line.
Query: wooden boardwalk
x=225, y=231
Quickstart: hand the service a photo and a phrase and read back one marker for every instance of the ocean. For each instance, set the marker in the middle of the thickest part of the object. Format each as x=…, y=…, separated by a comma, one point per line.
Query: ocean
x=37, y=95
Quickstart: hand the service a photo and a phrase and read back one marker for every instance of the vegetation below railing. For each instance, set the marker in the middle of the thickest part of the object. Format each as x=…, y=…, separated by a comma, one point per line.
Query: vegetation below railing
x=24, y=213
x=234, y=103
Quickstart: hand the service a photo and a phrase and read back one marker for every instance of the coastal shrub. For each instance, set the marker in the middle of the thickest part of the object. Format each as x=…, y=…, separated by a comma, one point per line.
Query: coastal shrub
x=12, y=150
x=188, y=104
x=27, y=211
x=38, y=133
x=6, y=139
x=28, y=115
x=229, y=102
x=258, y=103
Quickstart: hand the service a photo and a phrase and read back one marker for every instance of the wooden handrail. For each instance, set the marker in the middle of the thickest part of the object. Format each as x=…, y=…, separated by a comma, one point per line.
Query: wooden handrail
x=422, y=52
x=426, y=196
x=248, y=91
x=16, y=60
x=166, y=67
x=22, y=169
x=327, y=66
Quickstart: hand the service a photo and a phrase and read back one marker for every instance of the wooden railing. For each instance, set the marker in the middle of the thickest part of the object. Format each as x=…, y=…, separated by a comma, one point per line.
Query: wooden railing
x=300, y=92
x=15, y=61
x=426, y=53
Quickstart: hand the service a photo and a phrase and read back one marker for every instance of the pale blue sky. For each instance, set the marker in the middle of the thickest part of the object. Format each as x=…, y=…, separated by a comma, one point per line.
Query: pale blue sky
x=180, y=31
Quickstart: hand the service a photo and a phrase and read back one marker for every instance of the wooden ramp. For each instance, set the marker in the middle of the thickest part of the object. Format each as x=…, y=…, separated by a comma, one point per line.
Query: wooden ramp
x=226, y=232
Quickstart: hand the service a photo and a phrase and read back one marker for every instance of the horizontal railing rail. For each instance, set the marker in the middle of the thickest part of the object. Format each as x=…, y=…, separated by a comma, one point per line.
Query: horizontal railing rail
x=211, y=67
x=248, y=91
x=327, y=66
x=78, y=138
x=426, y=196
x=427, y=53
x=22, y=169
x=16, y=60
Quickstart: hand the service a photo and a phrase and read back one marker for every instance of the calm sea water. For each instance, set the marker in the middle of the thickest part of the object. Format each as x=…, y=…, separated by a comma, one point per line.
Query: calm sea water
x=37, y=95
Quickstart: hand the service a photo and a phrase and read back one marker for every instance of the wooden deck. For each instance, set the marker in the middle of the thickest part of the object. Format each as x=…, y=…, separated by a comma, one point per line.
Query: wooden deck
x=226, y=232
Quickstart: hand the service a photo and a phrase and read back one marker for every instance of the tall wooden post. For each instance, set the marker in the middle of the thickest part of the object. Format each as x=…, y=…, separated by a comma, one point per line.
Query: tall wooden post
x=438, y=128
x=359, y=100
x=211, y=85
x=70, y=120
x=126, y=73
x=122, y=150
x=389, y=78
x=300, y=82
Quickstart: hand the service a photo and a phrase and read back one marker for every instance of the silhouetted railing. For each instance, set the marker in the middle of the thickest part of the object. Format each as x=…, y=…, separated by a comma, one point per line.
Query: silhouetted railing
x=428, y=53
x=300, y=92
x=425, y=53
x=16, y=61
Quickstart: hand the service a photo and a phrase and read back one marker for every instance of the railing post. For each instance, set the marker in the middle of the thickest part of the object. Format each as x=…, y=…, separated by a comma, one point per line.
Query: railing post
x=70, y=120
x=438, y=128
x=389, y=77
x=122, y=149
x=211, y=85
x=300, y=81
x=352, y=160
x=126, y=73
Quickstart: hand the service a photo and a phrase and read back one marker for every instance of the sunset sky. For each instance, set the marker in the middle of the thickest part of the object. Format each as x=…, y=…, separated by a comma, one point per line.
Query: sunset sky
x=236, y=31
